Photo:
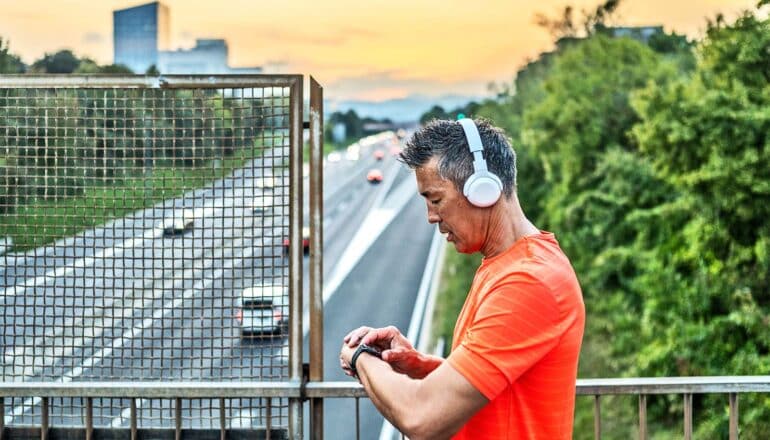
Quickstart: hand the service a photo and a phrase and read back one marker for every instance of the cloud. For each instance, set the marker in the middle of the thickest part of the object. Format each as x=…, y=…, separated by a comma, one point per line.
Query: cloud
x=93, y=38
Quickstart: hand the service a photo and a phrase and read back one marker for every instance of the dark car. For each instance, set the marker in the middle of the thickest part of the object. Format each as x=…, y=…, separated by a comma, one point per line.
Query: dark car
x=305, y=242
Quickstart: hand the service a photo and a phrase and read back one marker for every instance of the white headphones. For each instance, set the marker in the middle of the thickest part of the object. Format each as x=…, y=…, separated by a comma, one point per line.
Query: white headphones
x=482, y=188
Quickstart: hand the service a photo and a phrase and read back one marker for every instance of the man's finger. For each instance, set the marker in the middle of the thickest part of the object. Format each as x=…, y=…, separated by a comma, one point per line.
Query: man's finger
x=377, y=335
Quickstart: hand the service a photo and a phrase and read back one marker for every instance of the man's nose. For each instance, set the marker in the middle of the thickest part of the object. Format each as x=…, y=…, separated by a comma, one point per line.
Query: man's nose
x=433, y=217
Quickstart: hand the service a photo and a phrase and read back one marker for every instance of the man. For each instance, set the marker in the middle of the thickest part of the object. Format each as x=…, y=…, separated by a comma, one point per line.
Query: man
x=511, y=373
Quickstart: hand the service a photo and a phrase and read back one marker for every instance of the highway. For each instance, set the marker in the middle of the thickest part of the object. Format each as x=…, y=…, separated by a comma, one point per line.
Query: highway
x=127, y=302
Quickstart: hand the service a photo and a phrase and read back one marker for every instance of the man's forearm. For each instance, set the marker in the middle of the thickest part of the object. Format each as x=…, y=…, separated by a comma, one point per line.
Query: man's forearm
x=393, y=394
x=425, y=364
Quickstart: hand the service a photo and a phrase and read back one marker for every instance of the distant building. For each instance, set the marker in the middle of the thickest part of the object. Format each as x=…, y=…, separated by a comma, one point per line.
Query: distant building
x=139, y=33
x=209, y=56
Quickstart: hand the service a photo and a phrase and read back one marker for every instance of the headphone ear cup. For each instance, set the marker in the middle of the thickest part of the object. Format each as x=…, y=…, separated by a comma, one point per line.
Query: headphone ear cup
x=483, y=189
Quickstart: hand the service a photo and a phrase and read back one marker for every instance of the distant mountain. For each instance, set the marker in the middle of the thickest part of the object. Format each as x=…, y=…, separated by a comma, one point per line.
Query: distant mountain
x=402, y=109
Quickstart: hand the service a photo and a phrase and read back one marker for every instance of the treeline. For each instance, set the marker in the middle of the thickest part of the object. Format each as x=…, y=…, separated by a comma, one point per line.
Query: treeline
x=58, y=143
x=355, y=125
x=650, y=159
x=63, y=61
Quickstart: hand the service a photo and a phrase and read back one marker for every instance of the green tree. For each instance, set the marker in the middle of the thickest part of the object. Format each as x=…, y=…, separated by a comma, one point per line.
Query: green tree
x=706, y=136
x=9, y=63
x=63, y=61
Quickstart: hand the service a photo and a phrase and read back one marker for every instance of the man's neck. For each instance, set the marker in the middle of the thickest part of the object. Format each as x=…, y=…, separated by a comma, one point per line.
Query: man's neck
x=507, y=224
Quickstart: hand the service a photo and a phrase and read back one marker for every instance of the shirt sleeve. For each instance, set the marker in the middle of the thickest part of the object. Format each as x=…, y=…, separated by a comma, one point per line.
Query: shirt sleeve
x=516, y=324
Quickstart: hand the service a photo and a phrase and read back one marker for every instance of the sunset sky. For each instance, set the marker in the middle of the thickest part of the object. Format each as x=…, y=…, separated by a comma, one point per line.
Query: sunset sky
x=370, y=50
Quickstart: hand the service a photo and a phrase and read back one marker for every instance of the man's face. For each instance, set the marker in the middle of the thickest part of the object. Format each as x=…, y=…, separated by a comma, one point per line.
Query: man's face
x=462, y=223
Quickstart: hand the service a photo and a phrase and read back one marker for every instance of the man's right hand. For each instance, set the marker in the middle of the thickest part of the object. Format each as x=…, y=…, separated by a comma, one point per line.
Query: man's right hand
x=397, y=351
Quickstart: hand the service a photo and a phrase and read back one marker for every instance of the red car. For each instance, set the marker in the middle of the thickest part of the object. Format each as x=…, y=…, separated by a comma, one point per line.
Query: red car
x=374, y=176
x=305, y=242
x=379, y=154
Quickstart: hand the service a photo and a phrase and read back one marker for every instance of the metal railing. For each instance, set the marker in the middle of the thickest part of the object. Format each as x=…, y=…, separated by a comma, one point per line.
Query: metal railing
x=135, y=212
x=224, y=393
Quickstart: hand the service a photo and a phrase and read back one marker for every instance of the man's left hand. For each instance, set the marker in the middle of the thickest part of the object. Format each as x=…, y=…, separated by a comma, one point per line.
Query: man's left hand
x=346, y=355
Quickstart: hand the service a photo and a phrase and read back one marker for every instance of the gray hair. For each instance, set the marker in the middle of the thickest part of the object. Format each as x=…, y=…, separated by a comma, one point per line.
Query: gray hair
x=446, y=141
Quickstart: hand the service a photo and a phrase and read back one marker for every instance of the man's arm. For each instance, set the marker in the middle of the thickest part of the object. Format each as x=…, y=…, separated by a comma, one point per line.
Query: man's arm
x=434, y=407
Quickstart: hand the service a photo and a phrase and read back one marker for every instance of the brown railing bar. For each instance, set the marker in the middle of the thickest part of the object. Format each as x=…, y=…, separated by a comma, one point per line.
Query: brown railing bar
x=222, y=419
x=597, y=417
x=89, y=418
x=142, y=81
x=44, y=420
x=132, y=418
x=642, y=417
x=177, y=419
x=316, y=253
x=269, y=417
x=733, y=416
x=358, y=419
x=687, y=416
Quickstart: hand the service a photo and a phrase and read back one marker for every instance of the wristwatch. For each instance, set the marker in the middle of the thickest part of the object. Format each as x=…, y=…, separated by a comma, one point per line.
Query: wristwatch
x=363, y=348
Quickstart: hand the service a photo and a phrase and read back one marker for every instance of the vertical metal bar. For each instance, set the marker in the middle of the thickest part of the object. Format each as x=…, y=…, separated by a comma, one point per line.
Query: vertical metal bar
x=89, y=418
x=2, y=416
x=269, y=418
x=178, y=419
x=44, y=421
x=316, y=254
x=295, y=251
x=222, y=421
x=642, y=417
x=132, y=417
x=733, y=416
x=597, y=417
x=358, y=419
x=687, y=416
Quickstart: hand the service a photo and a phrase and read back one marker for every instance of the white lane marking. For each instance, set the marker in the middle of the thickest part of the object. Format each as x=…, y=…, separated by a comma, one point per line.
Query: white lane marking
x=118, y=342
x=60, y=350
x=126, y=413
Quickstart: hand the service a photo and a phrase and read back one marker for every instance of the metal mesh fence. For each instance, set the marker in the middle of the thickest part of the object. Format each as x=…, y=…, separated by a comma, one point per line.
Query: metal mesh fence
x=144, y=235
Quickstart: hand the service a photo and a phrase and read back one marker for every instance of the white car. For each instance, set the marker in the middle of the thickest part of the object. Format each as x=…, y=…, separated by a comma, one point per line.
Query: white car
x=265, y=182
x=334, y=156
x=262, y=203
x=264, y=310
x=179, y=224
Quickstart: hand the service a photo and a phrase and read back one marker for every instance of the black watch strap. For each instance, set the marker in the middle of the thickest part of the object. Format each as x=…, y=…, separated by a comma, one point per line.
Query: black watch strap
x=363, y=348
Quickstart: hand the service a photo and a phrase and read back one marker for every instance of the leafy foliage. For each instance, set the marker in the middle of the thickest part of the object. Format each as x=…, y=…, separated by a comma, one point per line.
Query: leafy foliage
x=651, y=162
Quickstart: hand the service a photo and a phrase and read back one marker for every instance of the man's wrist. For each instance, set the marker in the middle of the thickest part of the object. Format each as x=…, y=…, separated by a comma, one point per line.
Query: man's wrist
x=362, y=348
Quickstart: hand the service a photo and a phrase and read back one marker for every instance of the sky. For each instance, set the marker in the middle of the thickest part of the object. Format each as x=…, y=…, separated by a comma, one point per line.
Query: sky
x=370, y=50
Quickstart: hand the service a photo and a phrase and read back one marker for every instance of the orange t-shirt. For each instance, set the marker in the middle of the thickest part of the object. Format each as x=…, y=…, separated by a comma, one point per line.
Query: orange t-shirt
x=517, y=341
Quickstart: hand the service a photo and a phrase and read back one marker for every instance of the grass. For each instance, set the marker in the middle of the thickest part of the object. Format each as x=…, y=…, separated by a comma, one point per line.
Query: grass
x=456, y=277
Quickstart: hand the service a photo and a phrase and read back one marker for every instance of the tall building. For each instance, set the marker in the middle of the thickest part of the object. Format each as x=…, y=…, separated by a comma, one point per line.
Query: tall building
x=139, y=33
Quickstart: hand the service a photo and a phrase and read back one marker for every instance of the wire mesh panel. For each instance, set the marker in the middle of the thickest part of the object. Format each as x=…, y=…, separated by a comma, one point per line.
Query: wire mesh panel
x=144, y=233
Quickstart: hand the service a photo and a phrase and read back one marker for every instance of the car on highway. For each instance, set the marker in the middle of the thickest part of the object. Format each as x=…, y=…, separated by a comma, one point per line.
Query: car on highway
x=378, y=154
x=395, y=150
x=261, y=203
x=263, y=310
x=334, y=156
x=305, y=242
x=178, y=224
x=374, y=176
